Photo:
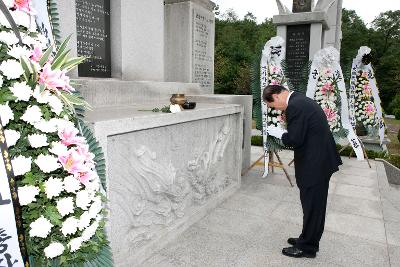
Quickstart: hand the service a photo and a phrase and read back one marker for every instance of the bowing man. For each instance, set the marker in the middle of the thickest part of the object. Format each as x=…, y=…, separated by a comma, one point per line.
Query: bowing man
x=315, y=160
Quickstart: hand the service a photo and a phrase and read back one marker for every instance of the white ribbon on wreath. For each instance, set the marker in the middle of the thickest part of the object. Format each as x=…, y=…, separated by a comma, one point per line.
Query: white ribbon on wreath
x=328, y=58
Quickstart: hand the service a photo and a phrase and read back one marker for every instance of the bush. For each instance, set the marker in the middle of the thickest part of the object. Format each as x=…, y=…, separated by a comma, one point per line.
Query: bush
x=398, y=135
x=257, y=141
x=396, y=113
x=395, y=104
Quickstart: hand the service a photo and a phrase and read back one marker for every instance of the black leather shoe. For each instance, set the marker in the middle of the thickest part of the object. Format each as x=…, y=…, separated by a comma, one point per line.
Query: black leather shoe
x=297, y=253
x=292, y=241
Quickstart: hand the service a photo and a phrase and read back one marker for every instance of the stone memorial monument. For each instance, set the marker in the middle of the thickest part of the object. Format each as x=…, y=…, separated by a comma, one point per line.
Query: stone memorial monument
x=164, y=171
x=307, y=29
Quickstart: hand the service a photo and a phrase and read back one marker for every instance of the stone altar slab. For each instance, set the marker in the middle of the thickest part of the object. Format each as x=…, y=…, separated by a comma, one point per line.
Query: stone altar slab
x=165, y=171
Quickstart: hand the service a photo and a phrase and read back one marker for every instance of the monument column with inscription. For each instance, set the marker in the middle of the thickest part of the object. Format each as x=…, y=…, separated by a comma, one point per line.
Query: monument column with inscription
x=189, y=42
x=307, y=30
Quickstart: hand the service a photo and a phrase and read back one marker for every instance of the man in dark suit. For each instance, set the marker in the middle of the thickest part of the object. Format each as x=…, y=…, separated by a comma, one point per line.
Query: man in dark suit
x=315, y=160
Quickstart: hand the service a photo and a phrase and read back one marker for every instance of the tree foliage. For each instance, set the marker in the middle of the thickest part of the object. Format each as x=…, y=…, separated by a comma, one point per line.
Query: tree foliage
x=239, y=43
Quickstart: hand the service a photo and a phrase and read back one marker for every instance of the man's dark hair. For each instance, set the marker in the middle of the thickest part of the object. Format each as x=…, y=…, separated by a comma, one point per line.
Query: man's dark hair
x=269, y=90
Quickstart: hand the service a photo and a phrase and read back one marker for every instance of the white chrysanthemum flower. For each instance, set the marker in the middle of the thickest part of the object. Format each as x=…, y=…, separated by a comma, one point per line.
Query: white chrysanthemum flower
x=55, y=249
x=70, y=226
x=21, y=165
x=65, y=206
x=41, y=97
x=56, y=104
x=58, y=149
x=90, y=231
x=64, y=123
x=47, y=163
x=83, y=199
x=21, y=91
x=40, y=228
x=46, y=126
x=8, y=38
x=27, y=194
x=38, y=140
x=23, y=19
x=6, y=114
x=32, y=115
x=96, y=207
x=12, y=137
x=1, y=81
x=93, y=186
x=53, y=187
x=84, y=220
x=18, y=51
x=75, y=244
x=11, y=68
x=71, y=184
x=28, y=40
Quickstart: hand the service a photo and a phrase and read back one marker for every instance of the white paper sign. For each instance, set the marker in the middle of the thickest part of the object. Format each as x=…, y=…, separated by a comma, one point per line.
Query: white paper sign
x=10, y=254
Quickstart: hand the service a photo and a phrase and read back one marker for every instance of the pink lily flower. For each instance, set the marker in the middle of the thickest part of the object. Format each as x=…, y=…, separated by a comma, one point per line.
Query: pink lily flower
x=54, y=79
x=25, y=6
x=274, y=82
x=327, y=87
x=369, y=109
x=83, y=150
x=36, y=54
x=85, y=177
x=73, y=163
x=68, y=136
x=330, y=114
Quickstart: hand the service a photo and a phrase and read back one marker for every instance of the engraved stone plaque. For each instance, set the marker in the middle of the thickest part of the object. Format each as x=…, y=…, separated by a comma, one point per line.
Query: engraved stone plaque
x=93, y=36
x=203, y=49
x=297, y=52
x=301, y=6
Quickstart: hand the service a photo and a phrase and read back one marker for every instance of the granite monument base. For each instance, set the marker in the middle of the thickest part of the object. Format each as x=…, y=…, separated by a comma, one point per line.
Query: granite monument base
x=164, y=171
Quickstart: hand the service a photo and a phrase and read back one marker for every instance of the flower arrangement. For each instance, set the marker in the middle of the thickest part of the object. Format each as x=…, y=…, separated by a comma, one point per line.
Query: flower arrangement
x=327, y=96
x=275, y=77
x=365, y=110
x=58, y=186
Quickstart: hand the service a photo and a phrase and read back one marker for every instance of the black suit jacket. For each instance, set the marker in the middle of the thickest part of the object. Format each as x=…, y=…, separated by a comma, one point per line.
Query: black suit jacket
x=315, y=154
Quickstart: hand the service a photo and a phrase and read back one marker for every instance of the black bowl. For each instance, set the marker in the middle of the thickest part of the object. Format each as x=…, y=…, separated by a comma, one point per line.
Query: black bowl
x=189, y=105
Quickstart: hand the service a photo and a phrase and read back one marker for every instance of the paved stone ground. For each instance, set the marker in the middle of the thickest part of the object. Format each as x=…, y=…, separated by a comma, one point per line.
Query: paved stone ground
x=251, y=227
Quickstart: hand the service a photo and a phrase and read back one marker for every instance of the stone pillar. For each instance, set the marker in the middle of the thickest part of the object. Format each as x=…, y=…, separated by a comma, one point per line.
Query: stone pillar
x=189, y=42
x=137, y=39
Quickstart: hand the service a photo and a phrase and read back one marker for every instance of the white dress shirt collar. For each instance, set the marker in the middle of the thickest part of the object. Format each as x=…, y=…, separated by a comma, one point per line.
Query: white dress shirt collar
x=287, y=99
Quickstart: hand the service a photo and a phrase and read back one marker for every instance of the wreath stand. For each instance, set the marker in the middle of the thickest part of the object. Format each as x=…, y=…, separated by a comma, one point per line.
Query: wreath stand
x=271, y=165
x=351, y=152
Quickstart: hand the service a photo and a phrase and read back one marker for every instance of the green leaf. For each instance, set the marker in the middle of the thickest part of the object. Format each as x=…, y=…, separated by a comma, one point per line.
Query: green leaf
x=57, y=63
x=25, y=67
x=62, y=47
x=72, y=63
x=5, y=96
x=46, y=56
x=72, y=99
x=53, y=215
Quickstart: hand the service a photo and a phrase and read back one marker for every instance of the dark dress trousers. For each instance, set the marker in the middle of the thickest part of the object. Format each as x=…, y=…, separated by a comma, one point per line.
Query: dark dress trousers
x=315, y=160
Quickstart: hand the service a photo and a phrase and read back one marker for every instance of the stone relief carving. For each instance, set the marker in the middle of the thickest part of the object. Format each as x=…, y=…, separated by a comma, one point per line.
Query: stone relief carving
x=204, y=174
x=158, y=194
